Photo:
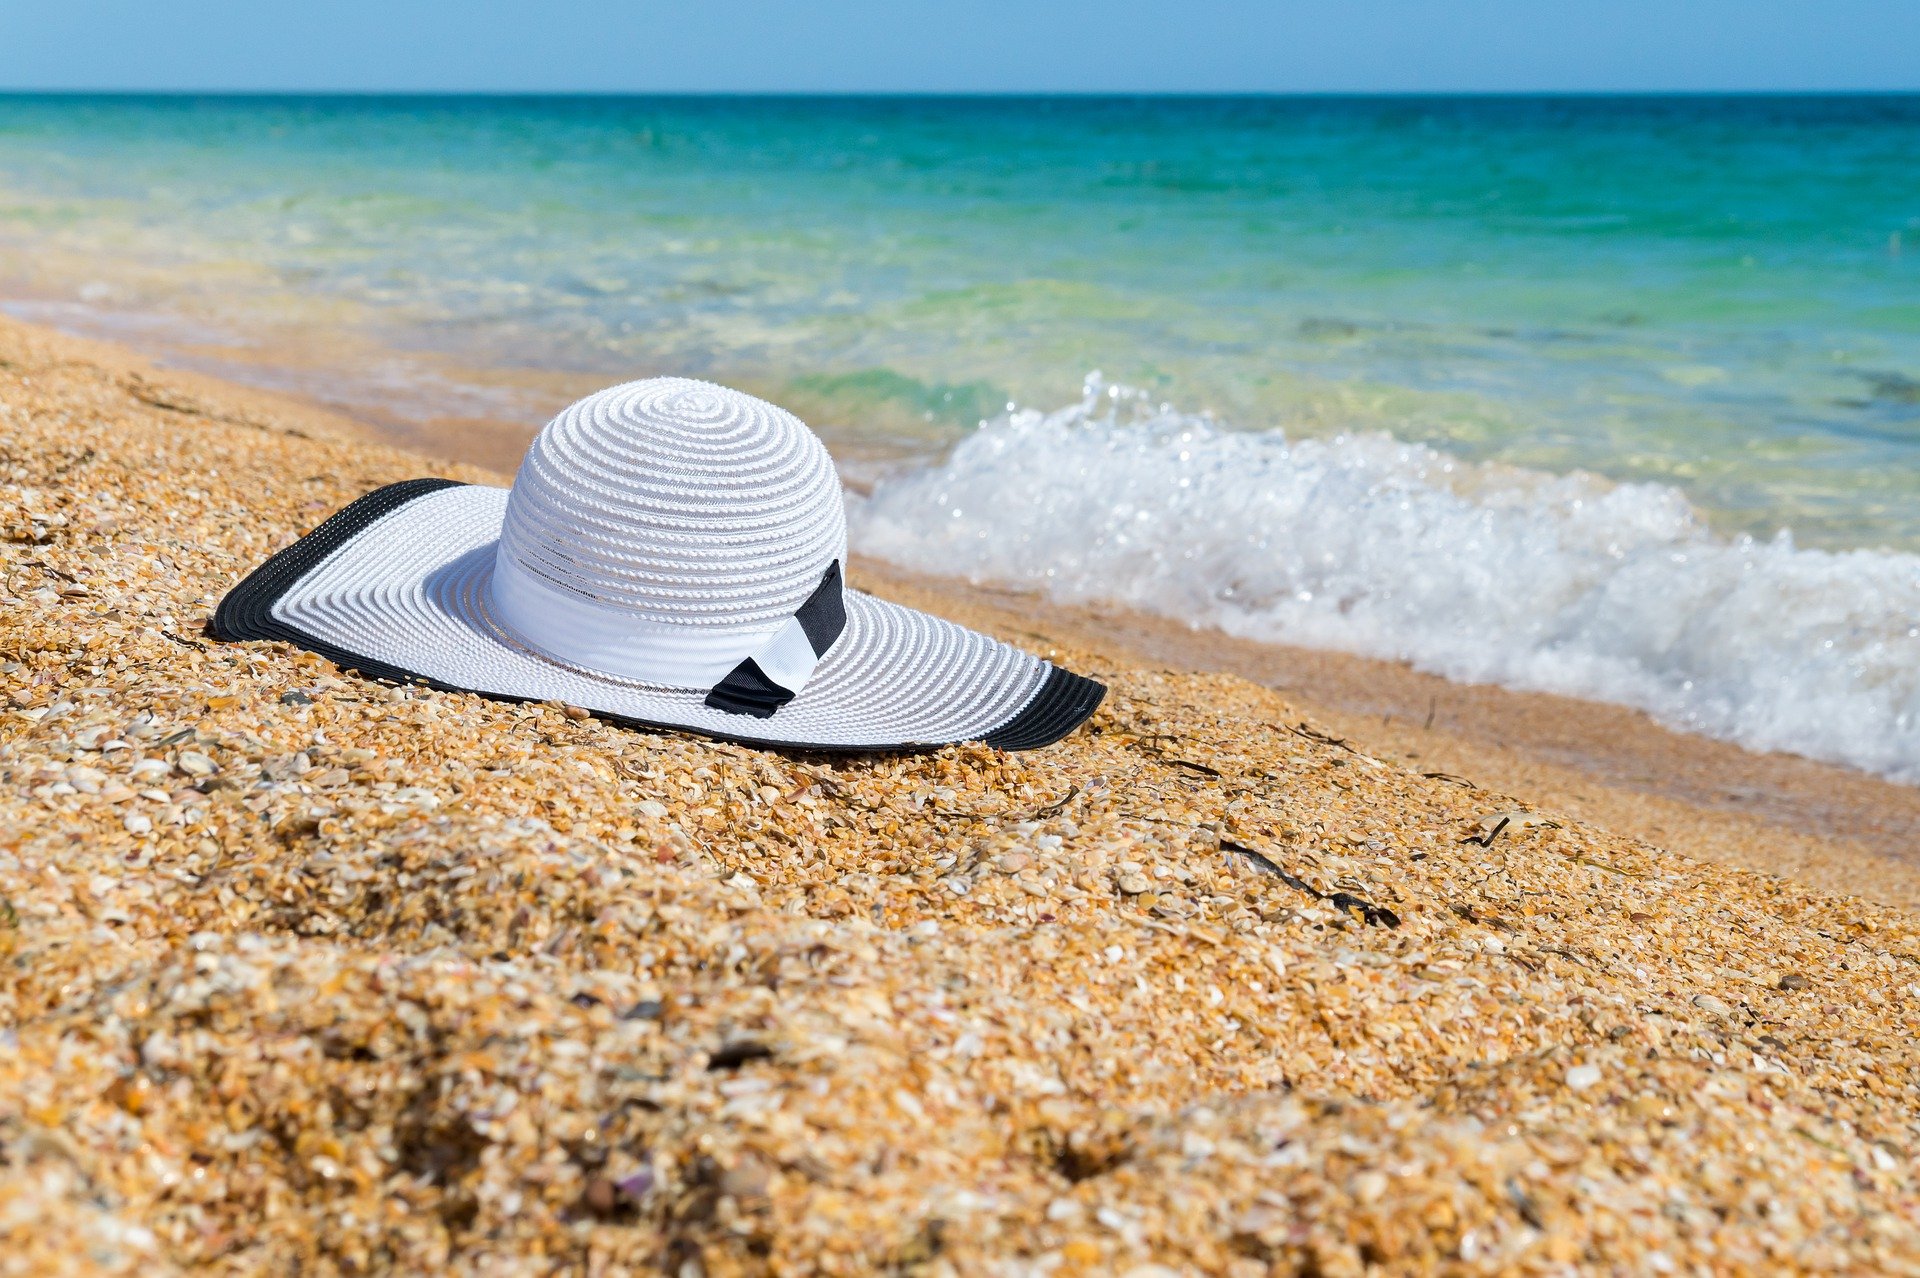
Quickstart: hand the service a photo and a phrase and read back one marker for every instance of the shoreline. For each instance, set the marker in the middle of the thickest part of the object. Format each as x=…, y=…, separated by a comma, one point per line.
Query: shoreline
x=1828, y=824
x=285, y=369
x=306, y=972
x=1596, y=739
x=504, y=405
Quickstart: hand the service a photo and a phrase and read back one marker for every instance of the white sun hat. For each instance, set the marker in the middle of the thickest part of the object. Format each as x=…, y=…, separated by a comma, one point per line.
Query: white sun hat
x=671, y=555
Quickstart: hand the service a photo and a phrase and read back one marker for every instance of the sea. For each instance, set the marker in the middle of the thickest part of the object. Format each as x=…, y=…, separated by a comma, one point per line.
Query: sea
x=1616, y=397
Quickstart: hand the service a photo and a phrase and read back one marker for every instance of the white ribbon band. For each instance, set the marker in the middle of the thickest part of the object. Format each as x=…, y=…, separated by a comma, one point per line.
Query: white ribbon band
x=788, y=657
x=593, y=637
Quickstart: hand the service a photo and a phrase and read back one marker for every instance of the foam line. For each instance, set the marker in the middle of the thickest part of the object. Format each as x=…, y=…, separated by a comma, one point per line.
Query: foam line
x=1481, y=573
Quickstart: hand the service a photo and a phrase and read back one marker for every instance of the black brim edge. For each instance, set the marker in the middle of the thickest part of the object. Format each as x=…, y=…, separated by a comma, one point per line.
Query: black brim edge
x=1064, y=702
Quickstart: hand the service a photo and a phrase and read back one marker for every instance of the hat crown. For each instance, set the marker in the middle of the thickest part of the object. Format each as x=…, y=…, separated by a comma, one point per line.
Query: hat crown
x=678, y=501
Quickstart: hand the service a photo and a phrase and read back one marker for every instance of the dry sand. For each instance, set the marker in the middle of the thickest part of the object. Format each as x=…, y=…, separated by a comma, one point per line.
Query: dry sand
x=305, y=973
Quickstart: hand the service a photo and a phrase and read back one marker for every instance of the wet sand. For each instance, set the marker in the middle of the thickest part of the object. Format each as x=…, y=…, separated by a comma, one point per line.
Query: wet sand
x=307, y=973
x=1844, y=830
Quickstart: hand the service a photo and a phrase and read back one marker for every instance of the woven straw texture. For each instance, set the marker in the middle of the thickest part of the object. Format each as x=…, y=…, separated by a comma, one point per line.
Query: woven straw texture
x=680, y=501
x=669, y=504
x=411, y=589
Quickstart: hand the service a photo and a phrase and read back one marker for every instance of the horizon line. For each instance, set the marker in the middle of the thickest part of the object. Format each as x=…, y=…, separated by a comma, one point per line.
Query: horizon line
x=936, y=94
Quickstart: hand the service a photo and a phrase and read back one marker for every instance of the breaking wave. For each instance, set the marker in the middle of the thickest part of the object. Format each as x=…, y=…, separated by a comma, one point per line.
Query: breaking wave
x=1479, y=572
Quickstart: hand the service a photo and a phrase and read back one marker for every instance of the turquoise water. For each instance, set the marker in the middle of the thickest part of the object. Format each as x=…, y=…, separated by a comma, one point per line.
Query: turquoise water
x=1697, y=316
x=1704, y=291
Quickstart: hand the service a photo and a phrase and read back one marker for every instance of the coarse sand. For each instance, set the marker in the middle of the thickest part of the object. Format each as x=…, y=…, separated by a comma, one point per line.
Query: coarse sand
x=305, y=973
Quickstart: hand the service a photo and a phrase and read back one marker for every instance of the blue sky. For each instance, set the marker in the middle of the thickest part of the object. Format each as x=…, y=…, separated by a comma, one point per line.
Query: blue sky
x=961, y=45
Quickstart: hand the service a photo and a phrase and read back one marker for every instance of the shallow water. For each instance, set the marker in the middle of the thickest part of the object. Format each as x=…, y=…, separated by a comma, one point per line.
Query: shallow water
x=1711, y=300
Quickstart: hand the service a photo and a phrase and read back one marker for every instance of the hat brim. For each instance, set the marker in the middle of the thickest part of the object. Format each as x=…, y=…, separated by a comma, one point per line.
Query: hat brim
x=394, y=586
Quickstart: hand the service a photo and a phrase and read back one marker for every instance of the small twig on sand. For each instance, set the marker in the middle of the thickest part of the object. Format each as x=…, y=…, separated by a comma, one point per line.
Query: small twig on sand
x=1261, y=861
x=1374, y=915
x=1055, y=808
x=1466, y=912
x=1313, y=734
x=1150, y=746
x=1491, y=835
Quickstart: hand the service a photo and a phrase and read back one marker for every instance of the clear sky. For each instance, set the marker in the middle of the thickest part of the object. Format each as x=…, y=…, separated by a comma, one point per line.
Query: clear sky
x=960, y=45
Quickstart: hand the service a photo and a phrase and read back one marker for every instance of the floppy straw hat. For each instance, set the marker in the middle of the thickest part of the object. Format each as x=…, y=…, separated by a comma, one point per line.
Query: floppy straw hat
x=671, y=554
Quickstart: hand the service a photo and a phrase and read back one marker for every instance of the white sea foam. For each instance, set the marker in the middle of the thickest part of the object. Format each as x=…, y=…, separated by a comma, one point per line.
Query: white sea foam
x=1557, y=583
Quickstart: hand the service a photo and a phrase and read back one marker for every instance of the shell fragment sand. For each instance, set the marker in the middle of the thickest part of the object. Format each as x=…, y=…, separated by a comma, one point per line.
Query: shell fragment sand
x=305, y=973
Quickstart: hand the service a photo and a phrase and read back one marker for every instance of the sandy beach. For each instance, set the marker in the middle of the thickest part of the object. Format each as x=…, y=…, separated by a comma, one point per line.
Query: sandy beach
x=1289, y=962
